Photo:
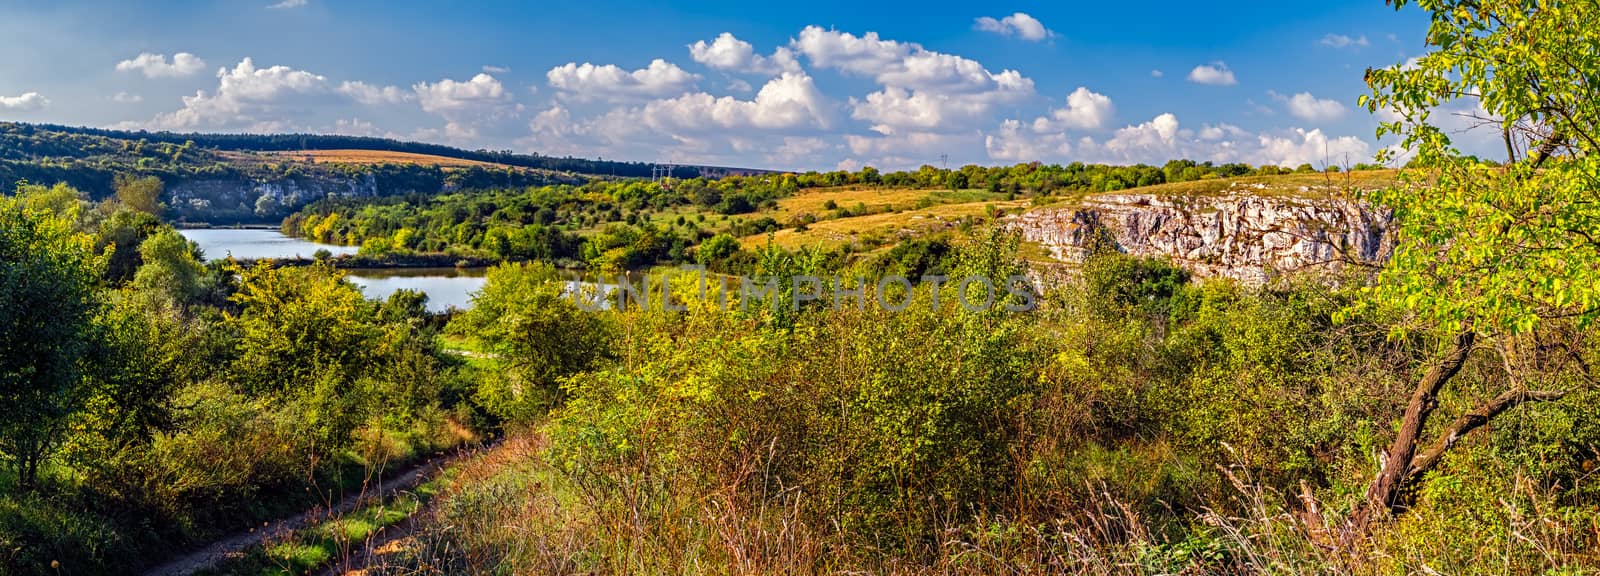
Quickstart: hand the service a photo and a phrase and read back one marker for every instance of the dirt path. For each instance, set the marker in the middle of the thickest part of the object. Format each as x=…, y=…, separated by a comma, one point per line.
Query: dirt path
x=375, y=551
x=236, y=544
x=385, y=546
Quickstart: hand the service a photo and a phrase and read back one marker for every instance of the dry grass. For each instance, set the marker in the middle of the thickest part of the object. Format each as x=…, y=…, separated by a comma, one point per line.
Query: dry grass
x=1317, y=185
x=814, y=201
x=511, y=512
x=841, y=231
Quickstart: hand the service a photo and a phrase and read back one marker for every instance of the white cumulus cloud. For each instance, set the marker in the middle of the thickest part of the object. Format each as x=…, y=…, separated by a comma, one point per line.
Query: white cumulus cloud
x=250, y=98
x=158, y=66
x=923, y=90
x=267, y=99
x=368, y=94
x=727, y=52
x=587, y=81
x=1310, y=108
x=26, y=102
x=1085, y=110
x=449, y=95
x=1214, y=74
x=1019, y=24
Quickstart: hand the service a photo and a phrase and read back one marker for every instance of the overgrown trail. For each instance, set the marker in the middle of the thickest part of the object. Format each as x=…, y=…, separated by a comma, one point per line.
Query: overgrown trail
x=236, y=544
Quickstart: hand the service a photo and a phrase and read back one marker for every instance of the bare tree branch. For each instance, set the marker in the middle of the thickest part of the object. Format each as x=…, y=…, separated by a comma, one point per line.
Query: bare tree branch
x=1472, y=421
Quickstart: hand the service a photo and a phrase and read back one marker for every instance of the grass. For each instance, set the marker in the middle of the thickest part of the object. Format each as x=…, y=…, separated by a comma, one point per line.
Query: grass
x=886, y=226
x=1317, y=185
x=815, y=201
x=312, y=548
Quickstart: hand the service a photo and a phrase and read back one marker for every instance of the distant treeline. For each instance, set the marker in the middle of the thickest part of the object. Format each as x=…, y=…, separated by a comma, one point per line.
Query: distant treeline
x=290, y=142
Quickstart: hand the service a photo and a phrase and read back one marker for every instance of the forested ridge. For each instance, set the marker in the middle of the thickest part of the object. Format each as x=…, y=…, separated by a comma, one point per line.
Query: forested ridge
x=293, y=142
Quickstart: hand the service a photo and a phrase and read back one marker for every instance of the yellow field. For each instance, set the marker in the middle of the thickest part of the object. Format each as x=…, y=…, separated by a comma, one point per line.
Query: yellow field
x=886, y=226
x=1314, y=184
x=377, y=157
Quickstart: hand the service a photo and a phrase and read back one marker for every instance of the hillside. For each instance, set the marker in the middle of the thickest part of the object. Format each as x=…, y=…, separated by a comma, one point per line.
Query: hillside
x=229, y=178
x=363, y=157
x=328, y=142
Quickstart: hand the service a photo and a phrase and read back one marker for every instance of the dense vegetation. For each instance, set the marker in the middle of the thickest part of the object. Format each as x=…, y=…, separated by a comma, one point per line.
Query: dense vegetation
x=1438, y=412
x=615, y=225
x=1433, y=414
x=1136, y=422
x=153, y=403
x=292, y=142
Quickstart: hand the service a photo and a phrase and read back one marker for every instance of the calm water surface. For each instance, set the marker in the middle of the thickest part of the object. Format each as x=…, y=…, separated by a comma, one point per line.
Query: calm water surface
x=445, y=287
x=219, y=243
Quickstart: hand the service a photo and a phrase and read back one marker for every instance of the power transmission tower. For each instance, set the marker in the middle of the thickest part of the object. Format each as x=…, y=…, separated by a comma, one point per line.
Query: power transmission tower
x=944, y=161
x=662, y=174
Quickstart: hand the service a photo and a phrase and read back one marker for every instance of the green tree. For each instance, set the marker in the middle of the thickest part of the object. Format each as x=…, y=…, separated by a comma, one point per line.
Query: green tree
x=142, y=194
x=716, y=249
x=306, y=336
x=1489, y=254
x=145, y=354
x=49, y=295
x=955, y=180
x=120, y=235
x=540, y=335
x=61, y=199
x=171, y=271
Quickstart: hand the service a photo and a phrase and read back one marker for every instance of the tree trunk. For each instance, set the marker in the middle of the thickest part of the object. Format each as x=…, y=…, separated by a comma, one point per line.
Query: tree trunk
x=1385, y=488
x=1402, y=466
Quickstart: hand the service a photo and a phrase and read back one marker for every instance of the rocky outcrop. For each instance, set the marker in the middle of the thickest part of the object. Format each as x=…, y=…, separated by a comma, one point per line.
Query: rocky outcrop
x=241, y=198
x=1248, y=234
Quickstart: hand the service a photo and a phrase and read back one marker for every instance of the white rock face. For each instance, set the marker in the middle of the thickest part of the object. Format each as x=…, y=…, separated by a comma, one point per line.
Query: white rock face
x=1248, y=237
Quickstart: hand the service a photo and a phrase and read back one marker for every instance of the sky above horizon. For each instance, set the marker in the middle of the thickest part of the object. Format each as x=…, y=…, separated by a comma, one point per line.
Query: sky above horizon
x=818, y=85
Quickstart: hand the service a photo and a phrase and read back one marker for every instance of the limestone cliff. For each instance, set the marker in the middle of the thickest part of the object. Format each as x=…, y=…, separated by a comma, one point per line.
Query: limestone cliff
x=1247, y=232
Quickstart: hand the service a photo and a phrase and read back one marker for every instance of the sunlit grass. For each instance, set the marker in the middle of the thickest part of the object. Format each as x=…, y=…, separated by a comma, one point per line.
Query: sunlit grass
x=886, y=226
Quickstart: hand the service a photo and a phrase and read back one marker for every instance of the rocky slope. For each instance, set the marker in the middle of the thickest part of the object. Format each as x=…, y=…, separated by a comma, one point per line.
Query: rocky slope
x=1249, y=233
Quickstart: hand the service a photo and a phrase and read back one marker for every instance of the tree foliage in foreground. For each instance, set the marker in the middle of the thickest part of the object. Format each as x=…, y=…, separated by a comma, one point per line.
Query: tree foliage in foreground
x=49, y=297
x=1499, y=257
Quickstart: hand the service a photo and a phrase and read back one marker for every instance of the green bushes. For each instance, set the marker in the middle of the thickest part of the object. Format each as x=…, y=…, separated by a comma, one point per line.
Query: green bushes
x=1135, y=423
x=146, y=416
x=539, y=335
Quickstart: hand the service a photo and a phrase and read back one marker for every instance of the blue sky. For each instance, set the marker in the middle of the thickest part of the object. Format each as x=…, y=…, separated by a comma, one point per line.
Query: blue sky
x=813, y=85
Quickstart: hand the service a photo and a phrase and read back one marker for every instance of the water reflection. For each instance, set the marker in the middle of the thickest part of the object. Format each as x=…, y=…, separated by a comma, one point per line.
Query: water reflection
x=220, y=243
x=446, y=287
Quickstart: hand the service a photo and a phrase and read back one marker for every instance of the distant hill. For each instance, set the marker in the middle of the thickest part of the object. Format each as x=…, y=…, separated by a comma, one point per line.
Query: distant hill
x=300, y=142
x=231, y=178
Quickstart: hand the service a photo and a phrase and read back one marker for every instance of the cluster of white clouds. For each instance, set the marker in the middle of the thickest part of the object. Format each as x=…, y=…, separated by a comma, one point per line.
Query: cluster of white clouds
x=281, y=98
x=1019, y=24
x=26, y=102
x=1164, y=137
x=609, y=82
x=1310, y=108
x=158, y=66
x=1214, y=74
x=770, y=110
x=730, y=54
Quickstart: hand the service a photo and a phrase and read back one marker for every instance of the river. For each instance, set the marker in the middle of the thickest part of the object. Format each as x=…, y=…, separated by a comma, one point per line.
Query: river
x=446, y=287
